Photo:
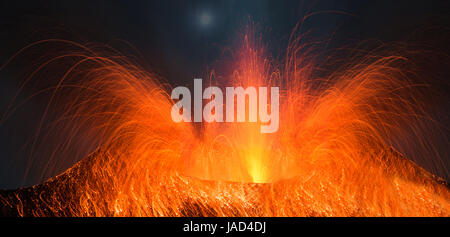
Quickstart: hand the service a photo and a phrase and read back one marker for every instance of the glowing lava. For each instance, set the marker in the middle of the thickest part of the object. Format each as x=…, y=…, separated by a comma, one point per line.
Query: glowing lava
x=332, y=155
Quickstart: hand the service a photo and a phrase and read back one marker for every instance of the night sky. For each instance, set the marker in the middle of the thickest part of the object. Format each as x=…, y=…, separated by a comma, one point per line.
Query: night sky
x=179, y=39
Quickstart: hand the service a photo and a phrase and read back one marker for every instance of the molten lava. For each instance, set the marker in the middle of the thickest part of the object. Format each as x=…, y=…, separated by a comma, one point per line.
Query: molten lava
x=332, y=156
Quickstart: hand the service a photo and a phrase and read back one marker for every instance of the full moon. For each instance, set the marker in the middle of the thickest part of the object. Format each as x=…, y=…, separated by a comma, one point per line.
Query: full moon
x=205, y=19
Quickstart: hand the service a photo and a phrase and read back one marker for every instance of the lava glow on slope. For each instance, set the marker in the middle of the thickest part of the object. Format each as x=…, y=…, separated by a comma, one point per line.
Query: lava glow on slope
x=332, y=155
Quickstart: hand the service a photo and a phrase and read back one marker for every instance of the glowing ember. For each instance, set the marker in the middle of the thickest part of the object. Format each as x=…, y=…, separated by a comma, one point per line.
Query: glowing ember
x=330, y=157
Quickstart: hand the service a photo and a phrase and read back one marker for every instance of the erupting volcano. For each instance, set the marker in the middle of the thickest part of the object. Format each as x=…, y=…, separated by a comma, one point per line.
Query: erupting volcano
x=338, y=150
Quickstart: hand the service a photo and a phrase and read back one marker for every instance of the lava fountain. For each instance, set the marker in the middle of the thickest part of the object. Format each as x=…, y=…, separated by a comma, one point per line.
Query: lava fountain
x=332, y=156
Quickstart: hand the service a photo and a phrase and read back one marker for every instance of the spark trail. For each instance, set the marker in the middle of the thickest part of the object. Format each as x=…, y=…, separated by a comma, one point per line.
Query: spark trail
x=332, y=155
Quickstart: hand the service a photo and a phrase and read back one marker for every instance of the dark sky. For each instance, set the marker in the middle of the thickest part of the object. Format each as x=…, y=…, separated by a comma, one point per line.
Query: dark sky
x=180, y=38
x=170, y=34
